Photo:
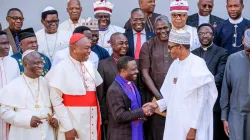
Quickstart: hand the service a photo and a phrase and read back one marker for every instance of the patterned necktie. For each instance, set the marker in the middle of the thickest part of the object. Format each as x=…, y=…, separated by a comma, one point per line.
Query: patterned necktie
x=138, y=45
x=17, y=43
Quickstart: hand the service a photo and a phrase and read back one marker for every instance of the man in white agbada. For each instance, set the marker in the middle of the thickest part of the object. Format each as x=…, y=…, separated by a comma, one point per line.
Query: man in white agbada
x=74, y=10
x=93, y=58
x=103, y=10
x=178, y=11
x=26, y=103
x=50, y=38
x=73, y=92
x=189, y=93
x=9, y=70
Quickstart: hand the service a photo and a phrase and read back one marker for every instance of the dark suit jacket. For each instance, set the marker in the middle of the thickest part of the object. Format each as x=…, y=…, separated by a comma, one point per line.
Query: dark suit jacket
x=216, y=59
x=193, y=20
x=0, y=26
x=11, y=40
x=108, y=71
x=120, y=115
x=130, y=37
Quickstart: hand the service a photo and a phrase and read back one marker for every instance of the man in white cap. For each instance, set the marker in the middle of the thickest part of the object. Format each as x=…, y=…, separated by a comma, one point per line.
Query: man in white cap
x=9, y=70
x=103, y=10
x=50, y=39
x=189, y=93
x=235, y=91
x=74, y=10
x=27, y=107
x=73, y=92
x=178, y=11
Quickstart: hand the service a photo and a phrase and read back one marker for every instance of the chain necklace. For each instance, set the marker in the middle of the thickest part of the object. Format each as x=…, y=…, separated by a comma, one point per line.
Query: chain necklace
x=50, y=55
x=38, y=92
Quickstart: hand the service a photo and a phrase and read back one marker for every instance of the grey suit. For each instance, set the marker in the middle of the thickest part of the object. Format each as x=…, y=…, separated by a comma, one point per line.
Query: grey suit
x=193, y=20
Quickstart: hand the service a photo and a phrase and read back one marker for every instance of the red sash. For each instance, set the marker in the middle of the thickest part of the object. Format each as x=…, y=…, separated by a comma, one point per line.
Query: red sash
x=89, y=99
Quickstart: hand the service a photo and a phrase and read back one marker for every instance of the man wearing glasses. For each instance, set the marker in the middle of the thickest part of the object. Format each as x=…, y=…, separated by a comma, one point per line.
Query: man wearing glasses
x=15, y=20
x=179, y=10
x=204, y=15
x=216, y=58
x=235, y=91
x=50, y=39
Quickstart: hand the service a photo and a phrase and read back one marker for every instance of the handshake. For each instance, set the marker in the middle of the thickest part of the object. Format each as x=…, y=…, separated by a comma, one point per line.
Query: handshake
x=149, y=108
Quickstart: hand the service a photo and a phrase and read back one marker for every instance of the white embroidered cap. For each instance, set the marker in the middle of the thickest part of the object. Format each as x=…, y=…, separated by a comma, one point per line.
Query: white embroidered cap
x=179, y=37
x=27, y=52
x=103, y=6
x=179, y=6
x=247, y=39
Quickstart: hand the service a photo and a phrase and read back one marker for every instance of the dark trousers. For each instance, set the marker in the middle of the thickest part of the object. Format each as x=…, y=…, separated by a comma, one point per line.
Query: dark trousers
x=219, y=133
x=154, y=128
x=104, y=128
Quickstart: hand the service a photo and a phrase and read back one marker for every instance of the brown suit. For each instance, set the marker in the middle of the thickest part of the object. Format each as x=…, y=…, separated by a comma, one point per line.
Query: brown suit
x=11, y=40
x=119, y=113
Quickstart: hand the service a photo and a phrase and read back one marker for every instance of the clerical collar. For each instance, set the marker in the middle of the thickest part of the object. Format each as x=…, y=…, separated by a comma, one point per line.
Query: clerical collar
x=127, y=81
x=183, y=28
x=142, y=32
x=236, y=21
x=204, y=17
x=206, y=48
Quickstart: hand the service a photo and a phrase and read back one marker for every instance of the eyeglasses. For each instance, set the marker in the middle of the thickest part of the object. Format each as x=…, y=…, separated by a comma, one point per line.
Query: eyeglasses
x=171, y=47
x=16, y=18
x=205, y=34
x=138, y=19
x=179, y=15
x=207, y=5
x=52, y=21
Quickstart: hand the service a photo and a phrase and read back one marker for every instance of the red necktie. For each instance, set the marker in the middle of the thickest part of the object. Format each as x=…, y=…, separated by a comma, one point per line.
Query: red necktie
x=138, y=45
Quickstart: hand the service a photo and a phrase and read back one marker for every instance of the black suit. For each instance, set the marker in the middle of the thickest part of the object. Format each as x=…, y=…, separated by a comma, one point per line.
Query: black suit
x=216, y=58
x=120, y=115
x=130, y=37
x=193, y=20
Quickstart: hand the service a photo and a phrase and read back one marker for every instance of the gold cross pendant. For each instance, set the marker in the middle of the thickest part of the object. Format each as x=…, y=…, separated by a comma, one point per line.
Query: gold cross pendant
x=37, y=107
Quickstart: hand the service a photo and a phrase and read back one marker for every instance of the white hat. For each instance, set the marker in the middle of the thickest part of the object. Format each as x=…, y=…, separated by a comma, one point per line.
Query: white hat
x=179, y=37
x=103, y=6
x=49, y=8
x=179, y=6
x=247, y=39
x=27, y=52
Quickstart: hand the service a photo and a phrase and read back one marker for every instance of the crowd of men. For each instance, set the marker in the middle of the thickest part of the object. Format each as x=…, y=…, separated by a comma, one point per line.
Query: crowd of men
x=150, y=80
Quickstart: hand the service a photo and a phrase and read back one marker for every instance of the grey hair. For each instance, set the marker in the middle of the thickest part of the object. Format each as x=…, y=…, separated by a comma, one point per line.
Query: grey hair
x=162, y=18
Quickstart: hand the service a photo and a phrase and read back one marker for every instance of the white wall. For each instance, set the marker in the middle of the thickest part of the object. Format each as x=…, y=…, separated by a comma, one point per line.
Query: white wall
x=32, y=9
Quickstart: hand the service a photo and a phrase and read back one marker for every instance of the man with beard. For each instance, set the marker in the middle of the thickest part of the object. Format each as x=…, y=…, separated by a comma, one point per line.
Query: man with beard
x=138, y=35
x=235, y=91
x=155, y=61
x=28, y=41
x=103, y=10
x=178, y=11
x=74, y=10
x=50, y=39
x=15, y=20
x=9, y=71
x=108, y=71
x=26, y=103
x=216, y=58
x=148, y=6
x=73, y=85
x=204, y=15
x=229, y=34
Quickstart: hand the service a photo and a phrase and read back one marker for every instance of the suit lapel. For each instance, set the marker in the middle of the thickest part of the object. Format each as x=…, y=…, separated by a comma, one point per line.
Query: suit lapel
x=131, y=42
x=196, y=20
x=112, y=65
x=210, y=54
x=11, y=40
x=148, y=35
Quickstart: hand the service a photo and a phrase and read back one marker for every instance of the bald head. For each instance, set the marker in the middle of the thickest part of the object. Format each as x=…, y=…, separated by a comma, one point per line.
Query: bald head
x=33, y=65
x=116, y=35
x=74, y=9
x=73, y=2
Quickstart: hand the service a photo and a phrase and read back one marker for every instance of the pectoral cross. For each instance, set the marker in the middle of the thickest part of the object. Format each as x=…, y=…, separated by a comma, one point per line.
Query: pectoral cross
x=37, y=107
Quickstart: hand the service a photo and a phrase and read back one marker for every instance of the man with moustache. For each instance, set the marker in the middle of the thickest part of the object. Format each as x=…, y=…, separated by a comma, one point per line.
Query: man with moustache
x=148, y=6
x=235, y=91
x=15, y=20
x=138, y=35
x=26, y=103
x=28, y=41
x=229, y=34
x=216, y=58
x=50, y=38
x=74, y=10
x=204, y=15
x=154, y=62
x=107, y=68
x=103, y=10
x=178, y=11
x=73, y=85
x=9, y=71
